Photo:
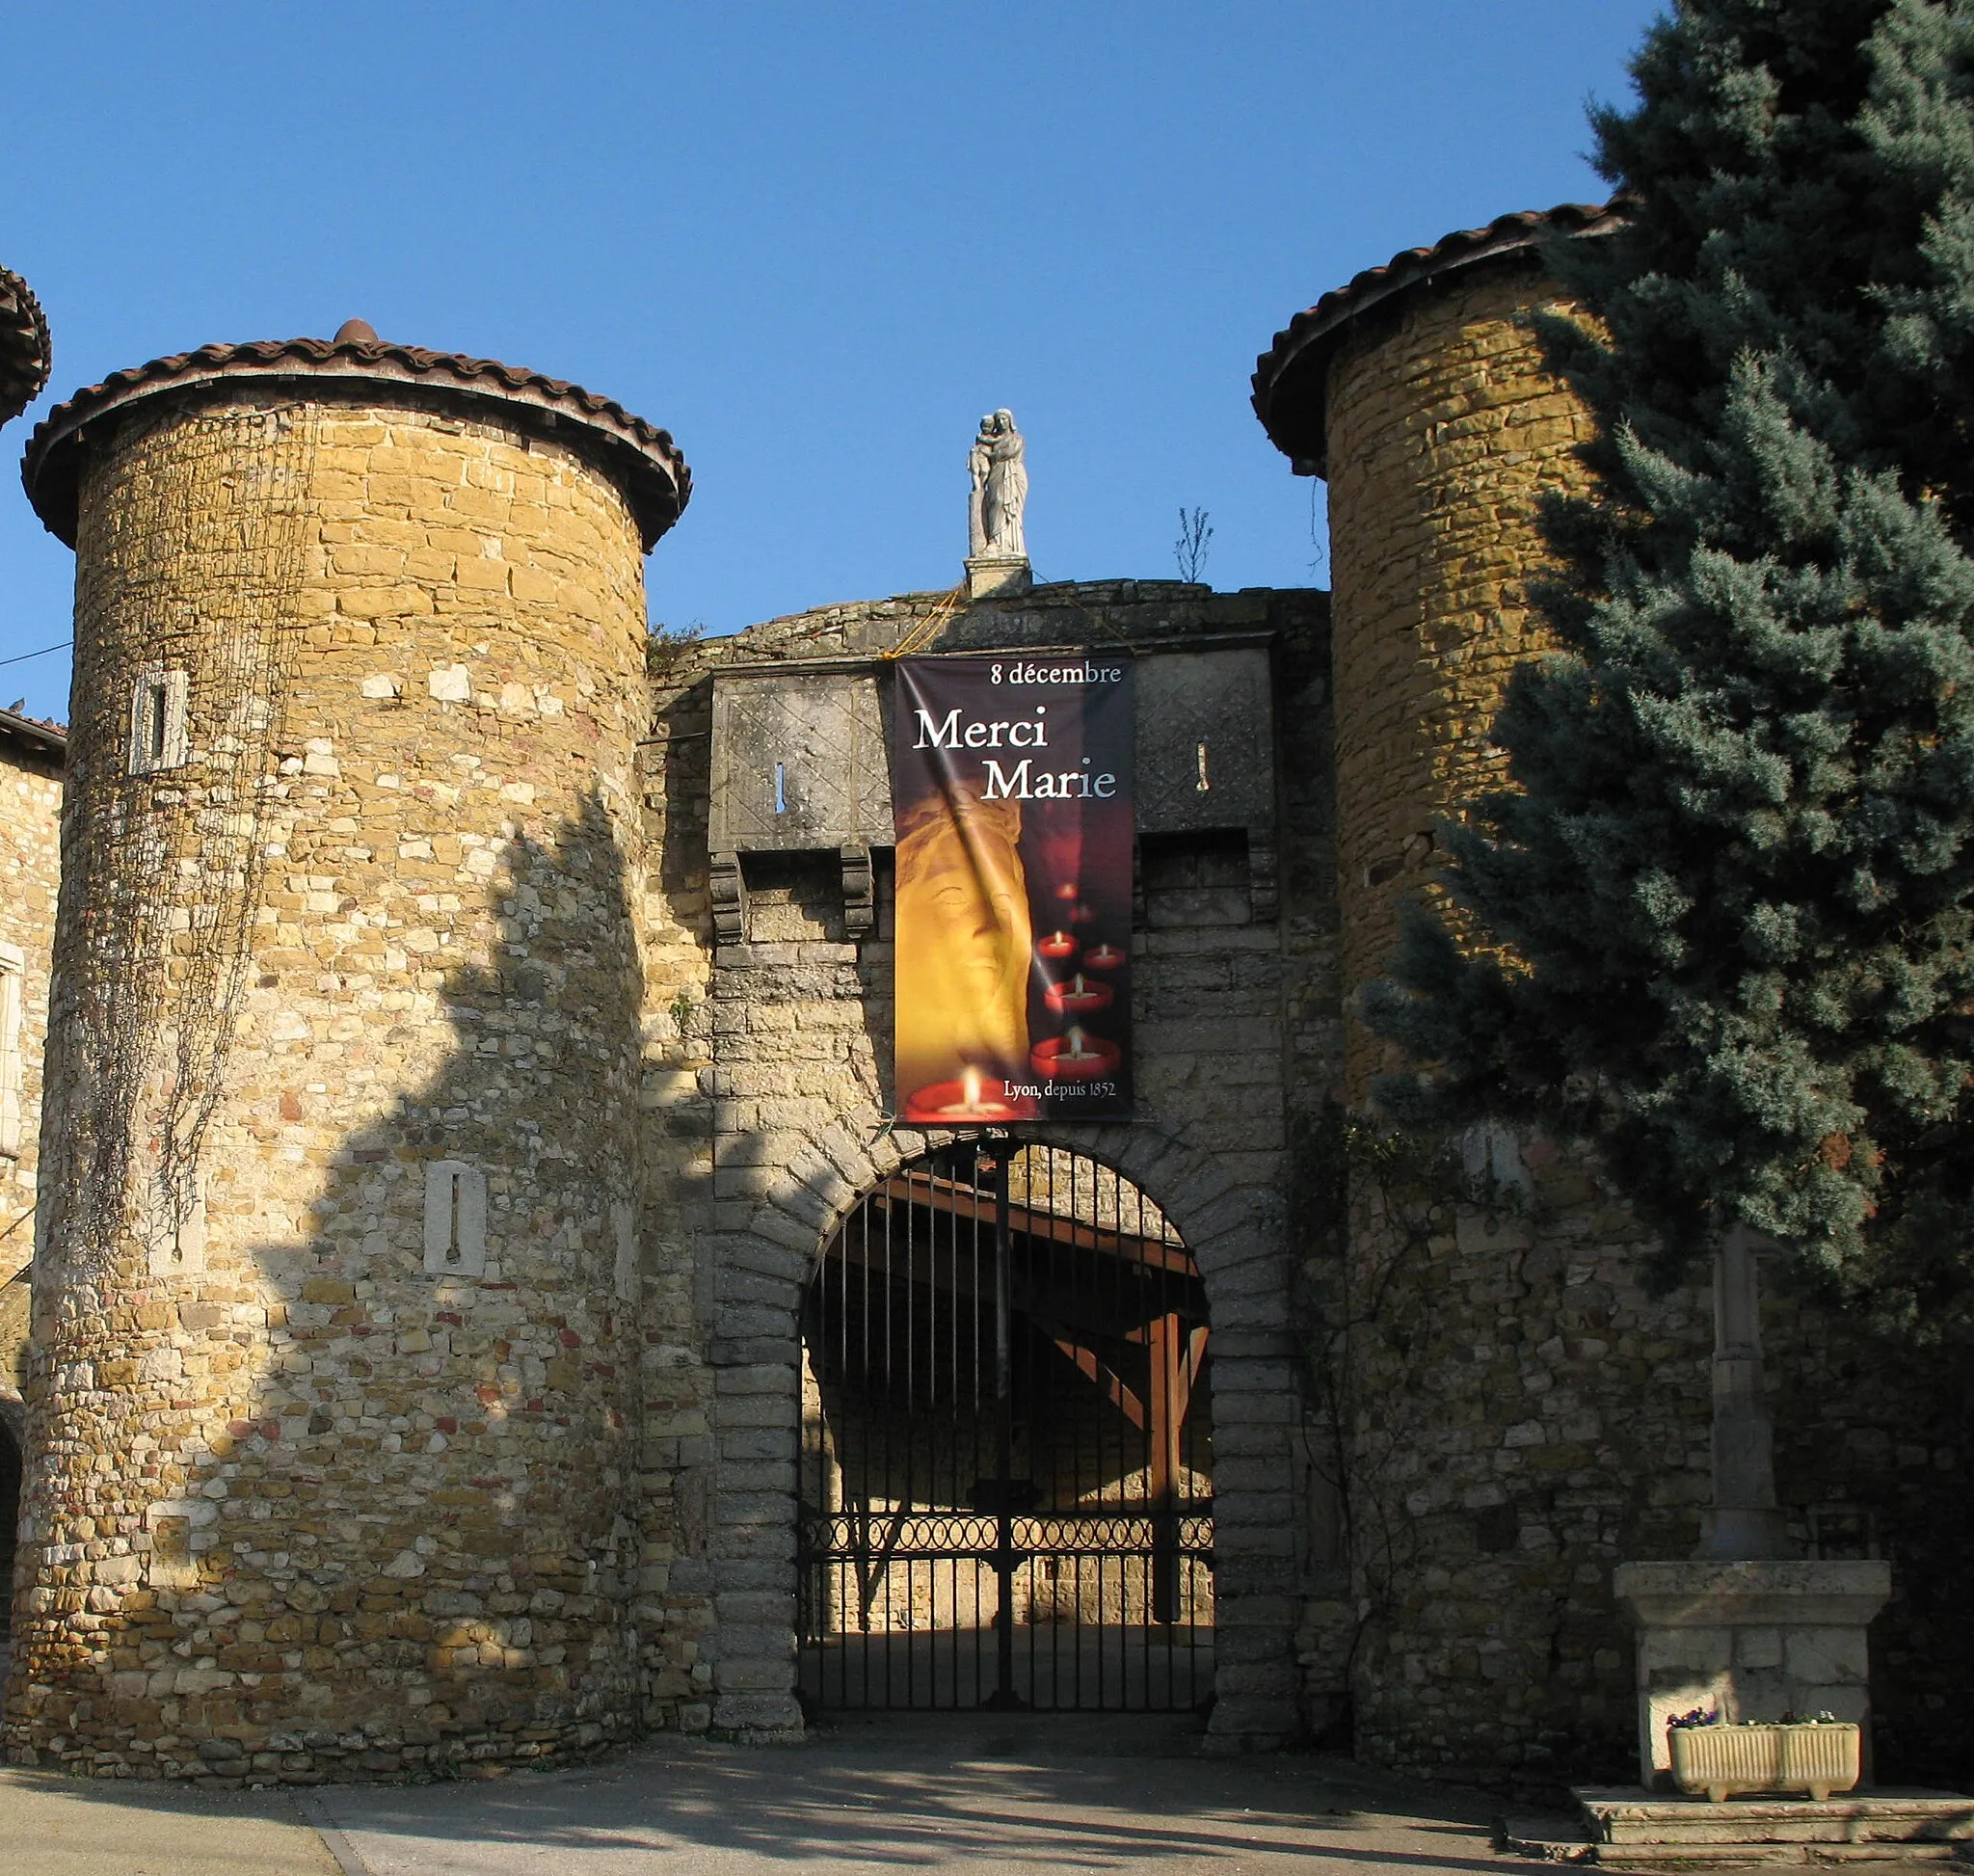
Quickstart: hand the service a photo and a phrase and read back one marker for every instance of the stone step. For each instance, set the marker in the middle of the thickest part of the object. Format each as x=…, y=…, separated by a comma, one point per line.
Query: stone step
x=1547, y=1840
x=1886, y=1856
x=1632, y=1818
x=1559, y=1841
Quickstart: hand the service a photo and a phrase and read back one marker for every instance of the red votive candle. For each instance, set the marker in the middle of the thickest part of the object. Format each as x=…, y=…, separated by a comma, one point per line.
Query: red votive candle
x=1057, y=945
x=1078, y=996
x=972, y=1099
x=1075, y=1056
x=1103, y=958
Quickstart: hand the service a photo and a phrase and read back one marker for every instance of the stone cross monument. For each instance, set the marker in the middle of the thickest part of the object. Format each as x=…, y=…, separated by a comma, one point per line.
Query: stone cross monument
x=997, y=551
x=1744, y=1629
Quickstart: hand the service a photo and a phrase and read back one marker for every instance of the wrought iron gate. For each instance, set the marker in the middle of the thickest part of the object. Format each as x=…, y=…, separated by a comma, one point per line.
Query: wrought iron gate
x=1006, y=1454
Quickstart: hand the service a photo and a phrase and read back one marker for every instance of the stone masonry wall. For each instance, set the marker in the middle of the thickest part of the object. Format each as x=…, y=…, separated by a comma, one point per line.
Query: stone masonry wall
x=30, y=871
x=300, y=1505
x=30, y=875
x=767, y=1081
x=1444, y=431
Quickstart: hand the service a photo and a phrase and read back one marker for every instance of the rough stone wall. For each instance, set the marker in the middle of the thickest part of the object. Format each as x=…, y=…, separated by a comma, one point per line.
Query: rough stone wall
x=296, y=1507
x=1444, y=433
x=30, y=871
x=30, y=875
x=1874, y=1440
x=772, y=1074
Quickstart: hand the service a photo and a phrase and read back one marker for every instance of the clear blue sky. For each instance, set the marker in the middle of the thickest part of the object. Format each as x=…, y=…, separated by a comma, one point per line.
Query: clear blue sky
x=815, y=241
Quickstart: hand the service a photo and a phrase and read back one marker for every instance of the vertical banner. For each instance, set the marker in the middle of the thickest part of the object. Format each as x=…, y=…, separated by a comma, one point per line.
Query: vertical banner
x=1011, y=783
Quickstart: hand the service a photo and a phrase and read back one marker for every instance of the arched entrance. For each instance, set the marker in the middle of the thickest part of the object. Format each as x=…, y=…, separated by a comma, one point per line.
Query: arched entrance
x=1005, y=1476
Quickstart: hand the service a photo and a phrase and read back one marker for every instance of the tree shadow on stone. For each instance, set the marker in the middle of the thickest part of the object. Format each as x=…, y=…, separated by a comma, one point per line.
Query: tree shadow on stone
x=414, y=1545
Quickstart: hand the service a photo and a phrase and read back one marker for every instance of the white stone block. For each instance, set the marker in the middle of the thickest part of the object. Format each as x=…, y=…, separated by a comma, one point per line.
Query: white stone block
x=1824, y=1658
x=1758, y=1648
x=455, y=1219
x=1702, y=1650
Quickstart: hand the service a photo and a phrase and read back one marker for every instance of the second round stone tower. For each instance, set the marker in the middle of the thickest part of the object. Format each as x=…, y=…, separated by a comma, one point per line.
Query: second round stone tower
x=330, y=1429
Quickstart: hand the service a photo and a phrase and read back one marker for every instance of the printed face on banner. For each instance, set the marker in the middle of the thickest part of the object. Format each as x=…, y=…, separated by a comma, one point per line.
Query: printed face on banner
x=1011, y=780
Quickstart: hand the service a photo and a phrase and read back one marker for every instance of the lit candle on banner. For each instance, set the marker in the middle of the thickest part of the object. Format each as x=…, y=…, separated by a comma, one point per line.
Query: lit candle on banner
x=1103, y=958
x=1057, y=945
x=1077, y=1057
x=970, y=1099
x=1078, y=996
x=1083, y=915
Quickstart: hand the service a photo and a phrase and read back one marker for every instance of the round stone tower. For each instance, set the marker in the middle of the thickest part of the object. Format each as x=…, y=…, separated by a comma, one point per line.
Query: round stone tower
x=1418, y=392
x=331, y=1417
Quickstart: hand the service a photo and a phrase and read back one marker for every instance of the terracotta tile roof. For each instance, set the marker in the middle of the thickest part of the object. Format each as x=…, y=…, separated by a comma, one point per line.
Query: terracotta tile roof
x=641, y=458
x=23, y=346
x=45, y=739
x=1290, y=377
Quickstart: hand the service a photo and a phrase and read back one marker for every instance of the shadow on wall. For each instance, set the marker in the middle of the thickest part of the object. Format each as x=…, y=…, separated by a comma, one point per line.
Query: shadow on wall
x=10, y=1506
x=413, y=1541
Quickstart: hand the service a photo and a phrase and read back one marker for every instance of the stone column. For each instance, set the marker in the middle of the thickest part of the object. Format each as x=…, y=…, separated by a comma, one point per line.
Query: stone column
x=1743, y=1522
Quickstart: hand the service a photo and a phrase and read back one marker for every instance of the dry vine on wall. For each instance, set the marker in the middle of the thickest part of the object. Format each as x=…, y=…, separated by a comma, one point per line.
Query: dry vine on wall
x=192, y=561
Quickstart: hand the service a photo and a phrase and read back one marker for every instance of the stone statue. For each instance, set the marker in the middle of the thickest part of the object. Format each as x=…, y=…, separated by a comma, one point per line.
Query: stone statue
x=1000, y=491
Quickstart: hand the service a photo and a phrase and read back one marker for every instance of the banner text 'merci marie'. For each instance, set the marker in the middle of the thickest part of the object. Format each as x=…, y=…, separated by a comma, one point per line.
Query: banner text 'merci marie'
x=1011, y=782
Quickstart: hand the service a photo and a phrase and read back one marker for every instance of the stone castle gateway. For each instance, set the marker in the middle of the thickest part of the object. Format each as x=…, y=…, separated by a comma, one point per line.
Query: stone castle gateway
x=468, y=1023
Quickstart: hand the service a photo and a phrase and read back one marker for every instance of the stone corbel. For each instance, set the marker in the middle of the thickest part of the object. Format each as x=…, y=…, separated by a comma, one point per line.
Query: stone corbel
x=728, y=890
x=859, y=891
x=1260, y=876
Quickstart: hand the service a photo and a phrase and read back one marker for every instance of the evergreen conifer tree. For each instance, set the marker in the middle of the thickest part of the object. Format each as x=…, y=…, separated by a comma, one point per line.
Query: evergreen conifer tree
x=1723, y=921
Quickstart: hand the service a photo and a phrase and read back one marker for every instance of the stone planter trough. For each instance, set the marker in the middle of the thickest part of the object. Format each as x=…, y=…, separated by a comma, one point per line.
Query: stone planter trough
x=1722, y=1760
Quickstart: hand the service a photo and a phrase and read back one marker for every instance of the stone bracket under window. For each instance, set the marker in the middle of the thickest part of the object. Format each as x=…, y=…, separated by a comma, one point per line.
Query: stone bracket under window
x=727, y=888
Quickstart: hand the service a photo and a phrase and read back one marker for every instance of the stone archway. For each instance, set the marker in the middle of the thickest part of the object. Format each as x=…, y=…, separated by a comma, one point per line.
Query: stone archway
x=760, y=1274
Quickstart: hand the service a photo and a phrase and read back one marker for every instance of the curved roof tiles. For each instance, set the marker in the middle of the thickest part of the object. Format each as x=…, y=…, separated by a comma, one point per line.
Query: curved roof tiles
x=1290, y=377
x=23, y=346
x=641, y=458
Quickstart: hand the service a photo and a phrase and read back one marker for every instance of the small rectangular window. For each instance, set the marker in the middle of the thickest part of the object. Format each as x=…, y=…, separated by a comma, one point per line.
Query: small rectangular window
x=11, y=965
x=176, y=1228
x=159, y=734
x=455, y=1219
x=623, y=1228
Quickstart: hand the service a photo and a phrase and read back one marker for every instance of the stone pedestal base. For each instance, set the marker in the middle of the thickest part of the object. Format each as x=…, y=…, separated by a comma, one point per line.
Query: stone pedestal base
x=994, y=576
x=1752, y=1640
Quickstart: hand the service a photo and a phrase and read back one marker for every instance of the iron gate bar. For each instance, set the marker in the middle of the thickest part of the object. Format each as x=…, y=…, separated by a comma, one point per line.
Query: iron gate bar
x=1003, y=1697
x=903, y=1528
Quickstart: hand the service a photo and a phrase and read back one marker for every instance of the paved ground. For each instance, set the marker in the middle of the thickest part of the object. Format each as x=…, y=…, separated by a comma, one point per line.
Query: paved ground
x=931, y=1793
